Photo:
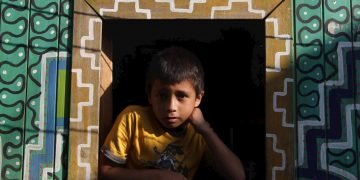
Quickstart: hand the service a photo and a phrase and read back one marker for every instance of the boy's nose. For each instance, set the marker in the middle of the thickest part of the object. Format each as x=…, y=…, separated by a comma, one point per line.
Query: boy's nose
x=172, y=104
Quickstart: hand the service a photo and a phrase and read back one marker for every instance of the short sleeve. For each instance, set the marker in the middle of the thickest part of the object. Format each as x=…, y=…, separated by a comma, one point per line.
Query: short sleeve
x=118, y=141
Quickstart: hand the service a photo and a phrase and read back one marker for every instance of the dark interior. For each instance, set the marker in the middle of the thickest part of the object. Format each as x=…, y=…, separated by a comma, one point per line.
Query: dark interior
x=233, y=55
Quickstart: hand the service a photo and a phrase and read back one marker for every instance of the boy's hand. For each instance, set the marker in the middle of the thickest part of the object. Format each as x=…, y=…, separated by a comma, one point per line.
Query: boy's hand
x=198, y=121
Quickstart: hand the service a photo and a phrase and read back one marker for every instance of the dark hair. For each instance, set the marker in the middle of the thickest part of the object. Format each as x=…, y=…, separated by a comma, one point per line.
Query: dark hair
x=173, y=65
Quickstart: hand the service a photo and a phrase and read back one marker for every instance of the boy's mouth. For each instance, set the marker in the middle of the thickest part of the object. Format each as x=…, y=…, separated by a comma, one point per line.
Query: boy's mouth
x=171, y=119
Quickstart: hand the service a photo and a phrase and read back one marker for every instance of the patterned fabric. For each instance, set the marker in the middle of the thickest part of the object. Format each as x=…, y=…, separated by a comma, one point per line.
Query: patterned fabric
x=138, y=141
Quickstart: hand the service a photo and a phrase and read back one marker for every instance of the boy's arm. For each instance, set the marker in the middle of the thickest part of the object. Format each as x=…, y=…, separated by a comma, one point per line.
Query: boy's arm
x=110, y=170
x=227, y=163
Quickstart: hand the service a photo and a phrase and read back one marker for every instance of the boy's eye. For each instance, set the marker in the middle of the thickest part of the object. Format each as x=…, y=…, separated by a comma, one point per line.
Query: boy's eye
x=181, y=95
x=162, y=95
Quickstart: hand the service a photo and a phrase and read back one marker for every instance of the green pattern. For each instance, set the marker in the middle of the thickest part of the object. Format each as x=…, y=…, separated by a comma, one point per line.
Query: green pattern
x=327, y=131
x=35, y=64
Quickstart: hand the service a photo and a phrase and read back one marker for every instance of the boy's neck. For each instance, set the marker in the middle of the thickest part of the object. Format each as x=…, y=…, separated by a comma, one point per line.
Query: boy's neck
x=177, y=132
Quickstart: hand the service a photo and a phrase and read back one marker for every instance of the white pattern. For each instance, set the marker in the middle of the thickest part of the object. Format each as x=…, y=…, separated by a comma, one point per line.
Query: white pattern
x=59, y=143
x=314, y=122
x=229, y=6
x=90, y=37
x=40, y=144
x=287, y=45
x=280, y=151
x=340, y=145
x=86, y=165
x=348, y=144
x=137, y=8
x=80, y=105
x=282, y=110
x=181, y=10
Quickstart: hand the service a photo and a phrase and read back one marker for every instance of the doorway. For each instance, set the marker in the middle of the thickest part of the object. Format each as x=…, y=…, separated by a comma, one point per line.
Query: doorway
x=233, y=56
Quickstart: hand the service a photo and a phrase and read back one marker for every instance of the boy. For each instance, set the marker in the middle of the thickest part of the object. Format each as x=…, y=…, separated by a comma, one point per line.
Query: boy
x=168, y=139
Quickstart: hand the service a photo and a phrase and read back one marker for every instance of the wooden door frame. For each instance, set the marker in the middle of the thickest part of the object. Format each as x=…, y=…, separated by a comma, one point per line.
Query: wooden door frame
x=91, y=71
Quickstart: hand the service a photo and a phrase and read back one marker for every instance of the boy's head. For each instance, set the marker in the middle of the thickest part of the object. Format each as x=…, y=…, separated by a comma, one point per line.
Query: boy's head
x=173, y=65
x=175, y=85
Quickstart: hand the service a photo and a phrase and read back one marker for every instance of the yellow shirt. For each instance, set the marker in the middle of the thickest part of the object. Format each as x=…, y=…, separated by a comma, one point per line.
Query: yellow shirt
x=138, y=141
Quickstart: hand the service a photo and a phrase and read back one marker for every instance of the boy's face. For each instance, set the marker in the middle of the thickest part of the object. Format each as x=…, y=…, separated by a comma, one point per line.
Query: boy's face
x=173, y=103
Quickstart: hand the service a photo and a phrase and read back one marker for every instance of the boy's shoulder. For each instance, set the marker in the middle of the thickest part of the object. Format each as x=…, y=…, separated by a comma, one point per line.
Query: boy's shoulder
x=136, y=109
x=137, y=114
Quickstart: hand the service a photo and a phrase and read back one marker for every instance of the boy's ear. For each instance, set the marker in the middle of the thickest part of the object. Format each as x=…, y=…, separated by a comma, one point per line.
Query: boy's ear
x=198, y=98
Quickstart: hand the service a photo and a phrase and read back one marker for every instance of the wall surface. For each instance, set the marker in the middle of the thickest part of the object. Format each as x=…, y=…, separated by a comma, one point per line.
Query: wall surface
x=326, y=55
x=49, y=121
x=35, y=61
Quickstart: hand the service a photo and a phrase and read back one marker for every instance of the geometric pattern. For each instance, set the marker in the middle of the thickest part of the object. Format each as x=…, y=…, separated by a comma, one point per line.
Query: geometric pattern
x=280, y=126
x=321, y=81
x=327, y=51
x=86, y=59
x=84, y=114
x=35, y=54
